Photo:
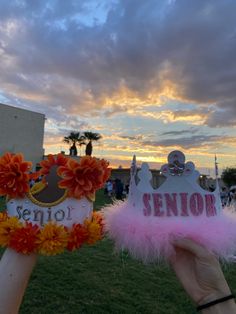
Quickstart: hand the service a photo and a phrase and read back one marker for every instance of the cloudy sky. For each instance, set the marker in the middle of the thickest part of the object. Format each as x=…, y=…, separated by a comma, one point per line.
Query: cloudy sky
x=150, y=76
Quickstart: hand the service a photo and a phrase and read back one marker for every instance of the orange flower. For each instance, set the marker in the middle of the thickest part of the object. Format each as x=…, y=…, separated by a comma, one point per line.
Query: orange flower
x=59, y=160
x=3, y=216
x=94, y=231
x=23, y=240
x=83, y=178
x=78, y=235
x=7, y=228
x=107, y=171
x=35, y=175
x=14, y=176
x=52, y=239
x=99, y=219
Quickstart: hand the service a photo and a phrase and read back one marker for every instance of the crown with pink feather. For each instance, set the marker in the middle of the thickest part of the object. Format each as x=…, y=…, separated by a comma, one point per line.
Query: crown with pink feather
x=147, y=221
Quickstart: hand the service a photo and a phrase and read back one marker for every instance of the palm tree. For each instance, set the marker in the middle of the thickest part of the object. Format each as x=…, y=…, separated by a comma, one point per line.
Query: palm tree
x=73, y=139
x=90, y=137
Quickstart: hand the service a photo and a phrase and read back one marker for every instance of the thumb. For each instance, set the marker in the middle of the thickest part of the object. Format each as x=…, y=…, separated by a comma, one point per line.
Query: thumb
x=191, y=246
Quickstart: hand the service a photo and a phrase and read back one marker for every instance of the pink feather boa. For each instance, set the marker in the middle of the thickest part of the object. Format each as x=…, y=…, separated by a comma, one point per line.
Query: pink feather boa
x=149, y=238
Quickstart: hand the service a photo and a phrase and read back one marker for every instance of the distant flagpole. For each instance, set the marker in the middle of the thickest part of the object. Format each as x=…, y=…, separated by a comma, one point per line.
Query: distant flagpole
x=216, y=168
x=217, y=181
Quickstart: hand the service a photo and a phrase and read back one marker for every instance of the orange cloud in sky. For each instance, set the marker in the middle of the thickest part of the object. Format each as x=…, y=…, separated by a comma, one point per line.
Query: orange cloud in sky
x=168, y=116
x=124, y=96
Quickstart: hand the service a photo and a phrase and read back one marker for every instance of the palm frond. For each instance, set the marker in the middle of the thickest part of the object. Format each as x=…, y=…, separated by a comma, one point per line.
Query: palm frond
x=92, y=136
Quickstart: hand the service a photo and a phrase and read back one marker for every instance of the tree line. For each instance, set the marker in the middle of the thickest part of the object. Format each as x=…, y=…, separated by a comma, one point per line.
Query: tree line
x=229, y=176
x=75, y=139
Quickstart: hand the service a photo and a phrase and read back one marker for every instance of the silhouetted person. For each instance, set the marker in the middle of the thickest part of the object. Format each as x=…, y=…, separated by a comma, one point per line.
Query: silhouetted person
x=119, y=189
x=73, y=150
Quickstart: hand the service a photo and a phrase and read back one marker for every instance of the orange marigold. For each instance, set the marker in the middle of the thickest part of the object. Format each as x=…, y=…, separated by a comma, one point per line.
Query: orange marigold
x=59, y=160
x=14, y=175
x=52, y=239
x=23, y=240
x=98, y=218
x=3, y=216
x=83, y=178
x=7, y=228
x=77, y=236
x=94, y=231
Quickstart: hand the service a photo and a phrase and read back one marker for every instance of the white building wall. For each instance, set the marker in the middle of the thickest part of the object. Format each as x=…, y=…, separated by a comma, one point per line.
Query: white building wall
x=22, y=131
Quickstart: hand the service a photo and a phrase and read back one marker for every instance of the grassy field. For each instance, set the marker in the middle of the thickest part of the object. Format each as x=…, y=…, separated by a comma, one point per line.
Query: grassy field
x=96, y=280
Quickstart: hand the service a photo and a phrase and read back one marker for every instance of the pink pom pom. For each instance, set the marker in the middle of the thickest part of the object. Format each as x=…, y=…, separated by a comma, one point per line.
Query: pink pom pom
x=148, y=238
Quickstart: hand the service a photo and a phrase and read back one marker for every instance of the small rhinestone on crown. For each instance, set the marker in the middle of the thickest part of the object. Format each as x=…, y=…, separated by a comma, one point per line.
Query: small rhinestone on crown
x=176, y=165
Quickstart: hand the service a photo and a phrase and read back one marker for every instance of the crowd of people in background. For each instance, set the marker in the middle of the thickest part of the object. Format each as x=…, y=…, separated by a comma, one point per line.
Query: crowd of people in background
x=228, y=198
x=116, y=188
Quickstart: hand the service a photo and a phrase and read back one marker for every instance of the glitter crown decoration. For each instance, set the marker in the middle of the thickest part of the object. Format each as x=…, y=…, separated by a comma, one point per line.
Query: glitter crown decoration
x=147, y=221
x=179, y=196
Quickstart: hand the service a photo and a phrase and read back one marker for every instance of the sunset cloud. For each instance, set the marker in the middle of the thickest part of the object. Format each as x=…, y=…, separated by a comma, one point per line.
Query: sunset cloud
x=147, y=71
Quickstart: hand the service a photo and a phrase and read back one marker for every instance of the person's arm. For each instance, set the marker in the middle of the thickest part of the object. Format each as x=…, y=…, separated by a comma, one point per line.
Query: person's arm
x=15, y=271
x=201, y=276
x=227, y=307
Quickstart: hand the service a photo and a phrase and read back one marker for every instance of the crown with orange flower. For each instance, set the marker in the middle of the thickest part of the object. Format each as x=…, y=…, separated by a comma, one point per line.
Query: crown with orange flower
x=56, y=212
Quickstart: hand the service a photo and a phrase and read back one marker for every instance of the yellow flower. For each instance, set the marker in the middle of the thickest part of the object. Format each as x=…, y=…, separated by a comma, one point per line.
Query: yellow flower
x=94, y=231
x=7, y=228
x=52, y=239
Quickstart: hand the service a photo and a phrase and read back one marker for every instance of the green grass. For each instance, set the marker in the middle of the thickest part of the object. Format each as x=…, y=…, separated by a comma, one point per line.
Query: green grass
x=96, y=280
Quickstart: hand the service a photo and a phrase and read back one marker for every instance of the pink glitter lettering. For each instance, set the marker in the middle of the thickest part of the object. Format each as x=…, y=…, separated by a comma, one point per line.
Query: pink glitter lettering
x=171, y=204
x=196, y=204
x=157, y=201
x=147, y=207
x=210, y=205
x=184, y=204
